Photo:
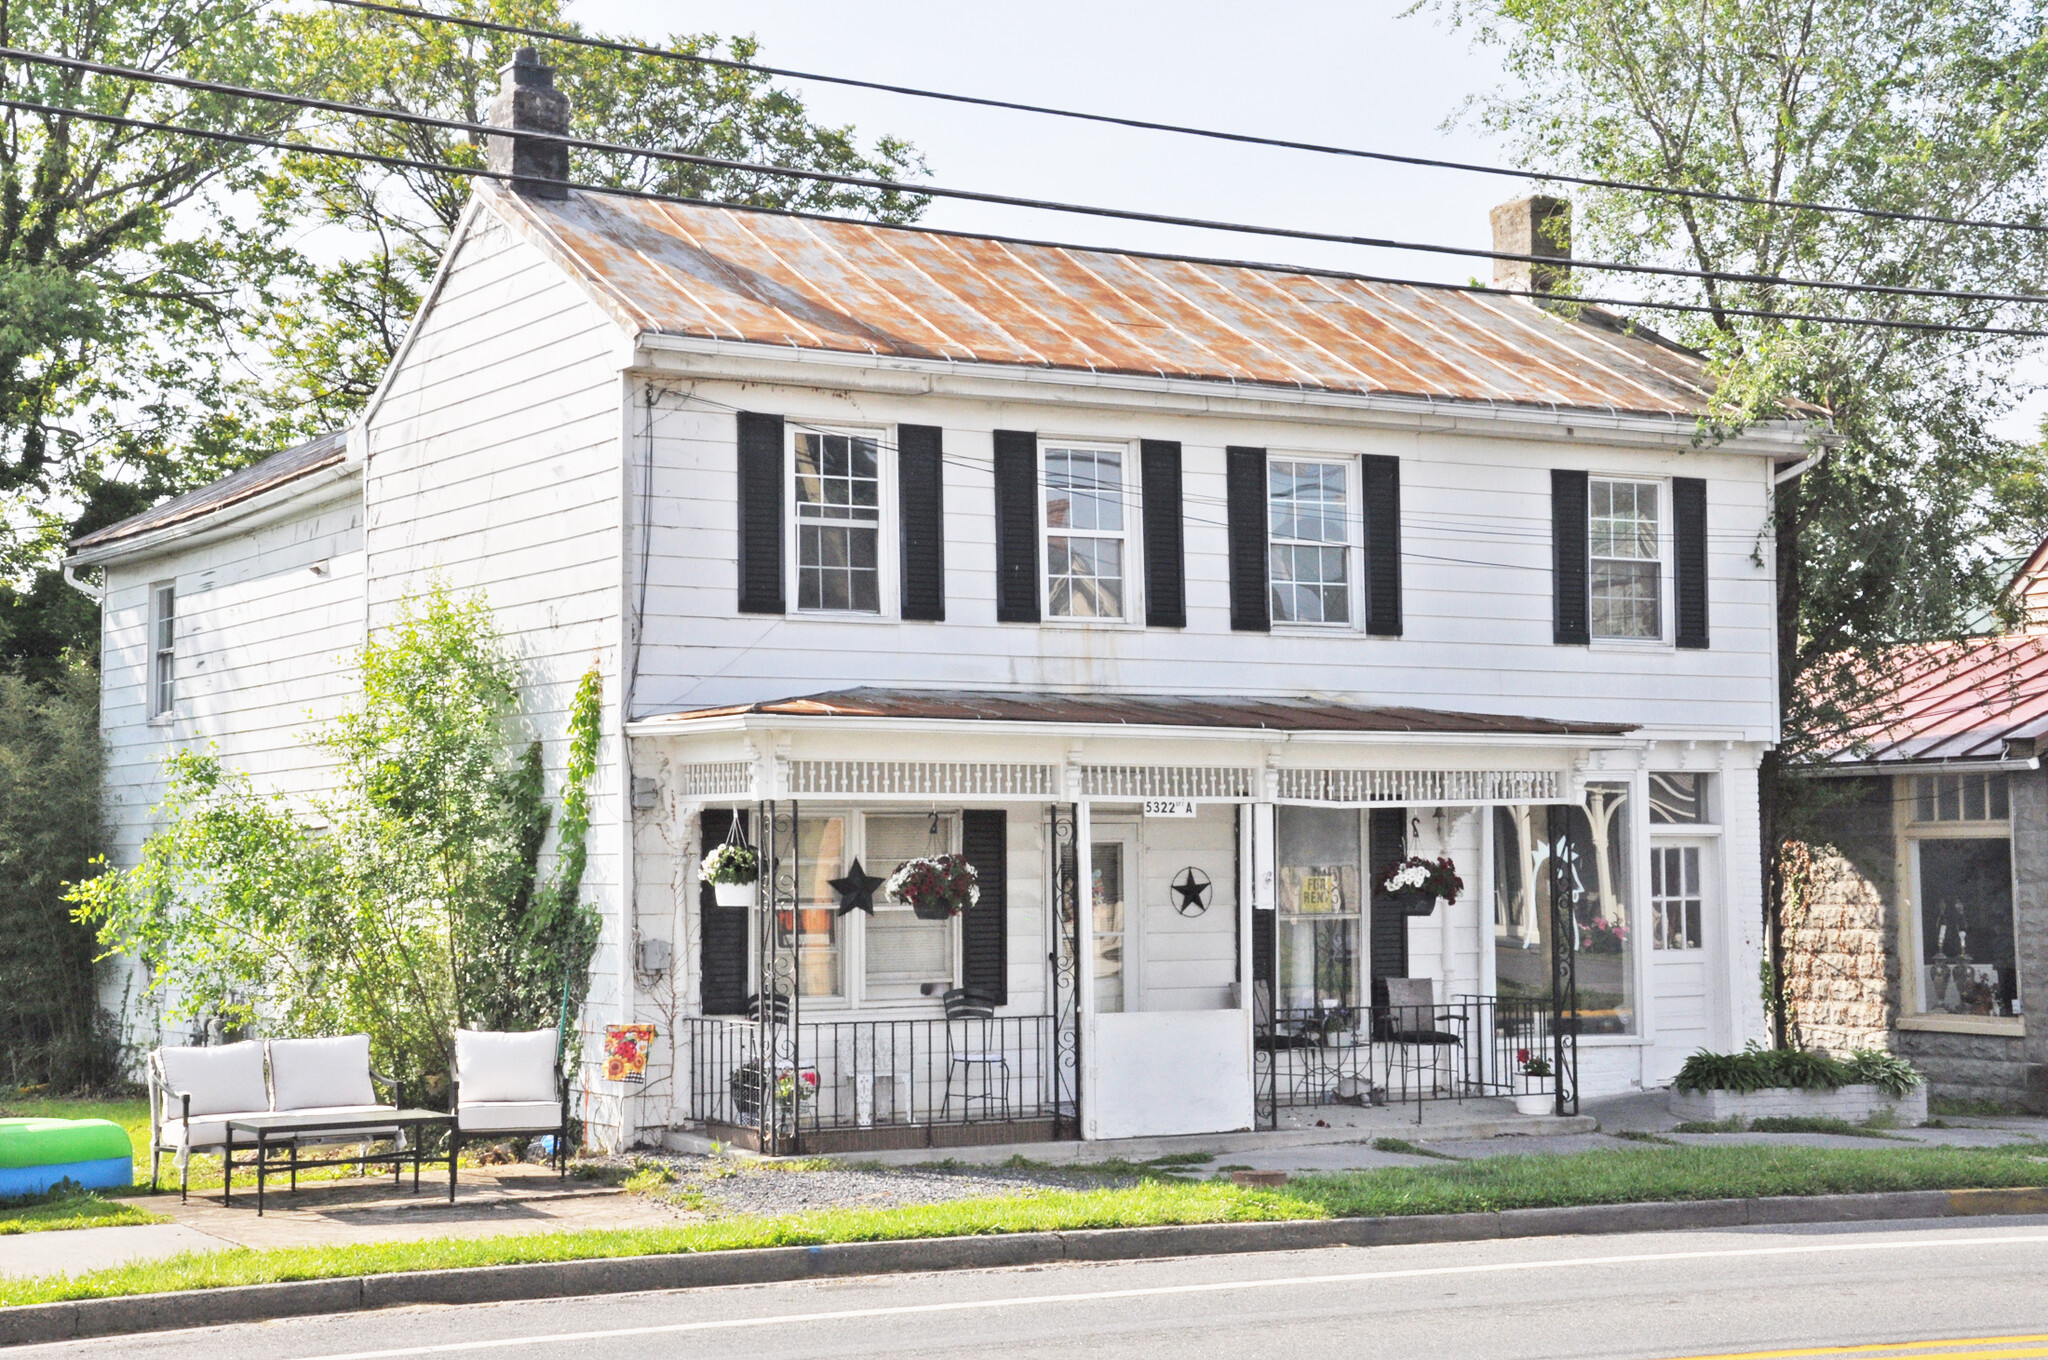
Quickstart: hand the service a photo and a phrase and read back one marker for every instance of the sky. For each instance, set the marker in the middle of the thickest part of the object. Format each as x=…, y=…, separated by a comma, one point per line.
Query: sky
x=1361, y=74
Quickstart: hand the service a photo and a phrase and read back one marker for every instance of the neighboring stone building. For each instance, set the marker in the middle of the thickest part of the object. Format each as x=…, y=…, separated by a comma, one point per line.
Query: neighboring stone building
x=1918, y=921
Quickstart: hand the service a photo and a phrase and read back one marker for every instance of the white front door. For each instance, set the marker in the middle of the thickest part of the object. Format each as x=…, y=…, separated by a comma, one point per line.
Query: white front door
x=1683, y=905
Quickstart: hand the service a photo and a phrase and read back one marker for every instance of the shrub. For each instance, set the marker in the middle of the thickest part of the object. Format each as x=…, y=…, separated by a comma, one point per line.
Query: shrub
x=1758, y=1069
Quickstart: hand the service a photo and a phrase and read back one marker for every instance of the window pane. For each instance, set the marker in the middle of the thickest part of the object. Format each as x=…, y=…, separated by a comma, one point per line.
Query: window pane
x=1107, y=868
x=2000, y=809
x=1923, y=799
x=901, y=949
x=1597, y=868
x=1321, y=888
x=1678, y=798
x=1625, y=600
x=1675, y=902
x=838, y=493
x=821, y=857
x=1964, y=903
x=1949, y=797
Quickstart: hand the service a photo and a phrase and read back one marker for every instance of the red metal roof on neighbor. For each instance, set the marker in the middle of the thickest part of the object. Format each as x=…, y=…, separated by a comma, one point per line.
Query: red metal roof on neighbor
x=756, y=277
x=1956, y=701
x=324, y=450
x=1147, y=710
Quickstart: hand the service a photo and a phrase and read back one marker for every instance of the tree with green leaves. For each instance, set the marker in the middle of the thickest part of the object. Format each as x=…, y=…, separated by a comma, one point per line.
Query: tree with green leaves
x=404, y=904
x=1906, y=107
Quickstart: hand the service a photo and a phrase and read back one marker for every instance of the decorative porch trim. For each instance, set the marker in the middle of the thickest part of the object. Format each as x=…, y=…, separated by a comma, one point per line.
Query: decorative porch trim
x=923, y=777
x=715, y=779
x=1409, y=787
x=1169, y=781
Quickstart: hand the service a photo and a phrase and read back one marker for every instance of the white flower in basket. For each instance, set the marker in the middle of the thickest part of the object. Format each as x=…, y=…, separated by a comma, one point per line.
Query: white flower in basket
x=935, y=887
x=731, y=870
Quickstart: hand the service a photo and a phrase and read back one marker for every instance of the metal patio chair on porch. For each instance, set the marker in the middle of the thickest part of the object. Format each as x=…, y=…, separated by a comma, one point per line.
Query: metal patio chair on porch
x=974, y=1046
x=1409, y=1024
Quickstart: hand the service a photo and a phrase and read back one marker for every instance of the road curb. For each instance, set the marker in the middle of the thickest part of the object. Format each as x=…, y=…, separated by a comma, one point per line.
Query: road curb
x=42, y=1322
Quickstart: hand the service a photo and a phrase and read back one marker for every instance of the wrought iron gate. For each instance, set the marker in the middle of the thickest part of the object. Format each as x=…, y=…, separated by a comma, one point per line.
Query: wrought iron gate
x=778, y=943
x=1063, y=873
x=1566, y=875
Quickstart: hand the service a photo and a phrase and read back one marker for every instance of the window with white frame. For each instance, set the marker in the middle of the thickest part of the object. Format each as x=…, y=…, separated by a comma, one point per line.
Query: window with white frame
x=1309, y=540
x=1627, y=582
x=1087, y=533
x=838, y=504
x=163, y=649
x=903, y=950
x=1676, y=899
x=1959, y=920
x=1679, y=799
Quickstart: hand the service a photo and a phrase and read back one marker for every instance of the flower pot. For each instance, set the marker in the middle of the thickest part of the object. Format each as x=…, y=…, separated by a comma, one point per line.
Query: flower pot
x=1415, y=902
x=1535, y=1103
x=1337, y=1038
x=733, y=894
x=929, y=909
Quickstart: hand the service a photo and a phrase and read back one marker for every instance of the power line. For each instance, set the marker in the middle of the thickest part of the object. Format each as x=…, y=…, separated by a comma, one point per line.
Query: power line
x=1209, y=261
x=1010, y=200
x=1147, y=125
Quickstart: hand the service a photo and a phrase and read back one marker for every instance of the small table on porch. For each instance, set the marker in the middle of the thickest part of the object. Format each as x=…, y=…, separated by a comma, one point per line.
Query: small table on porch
x=268, y=1132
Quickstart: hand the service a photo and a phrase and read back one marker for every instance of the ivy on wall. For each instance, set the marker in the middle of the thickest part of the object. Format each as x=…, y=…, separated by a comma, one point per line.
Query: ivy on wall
x=406, y=903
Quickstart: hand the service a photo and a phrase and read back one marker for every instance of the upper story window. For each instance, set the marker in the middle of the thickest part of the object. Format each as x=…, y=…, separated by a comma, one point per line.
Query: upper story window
x=163, y=640
x=1960, y=798
x=1626, y=586
x=1309, y=540
x=838, y=522
x=1087, y=533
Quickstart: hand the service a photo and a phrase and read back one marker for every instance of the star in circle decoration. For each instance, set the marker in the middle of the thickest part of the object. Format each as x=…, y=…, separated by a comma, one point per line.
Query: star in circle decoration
x=1191, y=892
x=857, y=889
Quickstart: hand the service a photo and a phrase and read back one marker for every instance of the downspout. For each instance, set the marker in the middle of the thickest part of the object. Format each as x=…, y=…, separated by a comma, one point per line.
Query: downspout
x=96, y=593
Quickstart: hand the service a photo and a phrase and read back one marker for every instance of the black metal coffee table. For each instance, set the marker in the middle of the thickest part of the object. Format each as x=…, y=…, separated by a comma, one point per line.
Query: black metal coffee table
x=271, y=1133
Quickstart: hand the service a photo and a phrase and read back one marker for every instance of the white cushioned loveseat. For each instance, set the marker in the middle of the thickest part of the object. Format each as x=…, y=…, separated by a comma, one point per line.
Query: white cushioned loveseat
x=194, y=1092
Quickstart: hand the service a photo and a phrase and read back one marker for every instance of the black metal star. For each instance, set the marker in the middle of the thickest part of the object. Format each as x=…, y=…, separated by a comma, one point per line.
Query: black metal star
x=1192, y=890
x=857, y=889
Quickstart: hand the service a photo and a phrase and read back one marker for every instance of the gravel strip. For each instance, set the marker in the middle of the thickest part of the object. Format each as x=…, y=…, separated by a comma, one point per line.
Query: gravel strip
x=722, y=1187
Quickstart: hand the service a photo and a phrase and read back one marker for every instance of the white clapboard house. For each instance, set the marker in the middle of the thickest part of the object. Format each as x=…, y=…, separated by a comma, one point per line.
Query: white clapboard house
x=1180, y=598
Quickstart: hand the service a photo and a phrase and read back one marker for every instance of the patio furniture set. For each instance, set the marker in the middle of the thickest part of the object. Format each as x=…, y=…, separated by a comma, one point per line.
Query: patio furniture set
x=272, y=1097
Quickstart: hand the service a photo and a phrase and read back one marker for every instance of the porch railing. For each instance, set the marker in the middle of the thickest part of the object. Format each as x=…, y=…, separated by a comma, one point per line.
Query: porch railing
x=878, y=1075
x=1470, y=1046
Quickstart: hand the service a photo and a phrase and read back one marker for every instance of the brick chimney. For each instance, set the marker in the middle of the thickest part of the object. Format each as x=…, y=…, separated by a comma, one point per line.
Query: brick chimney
x=1536, y=225
x=528, y=101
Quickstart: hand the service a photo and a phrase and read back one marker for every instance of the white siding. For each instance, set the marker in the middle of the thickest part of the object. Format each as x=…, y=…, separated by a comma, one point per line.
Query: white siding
x=1476, y=575
x=494, y=467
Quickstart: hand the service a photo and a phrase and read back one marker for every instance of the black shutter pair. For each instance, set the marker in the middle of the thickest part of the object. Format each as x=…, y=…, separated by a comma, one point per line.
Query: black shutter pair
x=1016, y=478
x=1571, y=559
x=921, y=517
x=1386, y=841
x=984, y=927
x=722, y=931
x=1247, y=514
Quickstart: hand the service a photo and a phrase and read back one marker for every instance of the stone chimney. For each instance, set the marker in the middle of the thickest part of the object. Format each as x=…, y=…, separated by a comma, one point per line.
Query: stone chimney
x=1537, y=225
x=528, y=101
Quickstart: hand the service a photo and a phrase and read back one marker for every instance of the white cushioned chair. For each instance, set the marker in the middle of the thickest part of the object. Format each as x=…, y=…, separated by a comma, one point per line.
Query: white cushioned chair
x=511, y=1083
x=194, y=1092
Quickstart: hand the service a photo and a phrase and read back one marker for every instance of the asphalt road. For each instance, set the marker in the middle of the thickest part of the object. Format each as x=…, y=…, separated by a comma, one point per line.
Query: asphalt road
x=1926, y=1290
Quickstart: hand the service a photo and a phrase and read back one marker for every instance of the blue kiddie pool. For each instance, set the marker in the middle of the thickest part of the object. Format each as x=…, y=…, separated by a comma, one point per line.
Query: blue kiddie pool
x=35, y=1154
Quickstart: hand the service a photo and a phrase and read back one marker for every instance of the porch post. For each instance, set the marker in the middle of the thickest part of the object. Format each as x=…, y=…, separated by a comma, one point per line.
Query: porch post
x=1084, y=918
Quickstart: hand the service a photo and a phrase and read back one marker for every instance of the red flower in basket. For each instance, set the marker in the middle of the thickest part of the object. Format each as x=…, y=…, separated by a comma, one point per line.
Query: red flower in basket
x=935, y=887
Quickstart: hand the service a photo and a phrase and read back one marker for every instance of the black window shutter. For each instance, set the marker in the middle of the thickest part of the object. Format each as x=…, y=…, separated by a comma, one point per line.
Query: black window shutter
x=984, y=927
x=722, y=934
x=1165, y=570
x=921, y=497
x=1689, y=540
x=760, y=513
x=1016, y=526
x=1382, y=545
x=1570, y=619
x=1386, y=841
x=1251, y=609
x=1263, y=951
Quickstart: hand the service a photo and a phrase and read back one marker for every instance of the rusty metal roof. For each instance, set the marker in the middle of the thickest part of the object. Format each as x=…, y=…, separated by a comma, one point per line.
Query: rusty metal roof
x=1954, y=701
x=718, y=273
x=1286, y=714
x=324, y=450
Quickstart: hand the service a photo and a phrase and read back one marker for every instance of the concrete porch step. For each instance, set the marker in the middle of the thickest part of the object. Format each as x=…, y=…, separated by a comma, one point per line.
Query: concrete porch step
x=1441, y=1121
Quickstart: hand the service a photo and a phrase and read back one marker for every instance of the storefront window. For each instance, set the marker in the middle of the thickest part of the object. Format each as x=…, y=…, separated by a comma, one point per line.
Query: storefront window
x=1322, y=901
x=1592, y=844
x=1964, y=909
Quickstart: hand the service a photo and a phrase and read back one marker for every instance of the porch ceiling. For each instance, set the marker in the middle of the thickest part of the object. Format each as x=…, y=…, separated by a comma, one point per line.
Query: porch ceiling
x=1279, y=714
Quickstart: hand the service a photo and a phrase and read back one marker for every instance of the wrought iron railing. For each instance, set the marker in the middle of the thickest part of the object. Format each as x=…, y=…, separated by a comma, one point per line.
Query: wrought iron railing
x=873, y=1074
x=1468, y=1047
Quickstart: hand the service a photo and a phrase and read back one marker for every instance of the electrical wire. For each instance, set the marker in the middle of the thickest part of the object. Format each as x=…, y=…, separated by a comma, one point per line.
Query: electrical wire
x=1309, y=271
x=1147, y=125
x=1012, y=200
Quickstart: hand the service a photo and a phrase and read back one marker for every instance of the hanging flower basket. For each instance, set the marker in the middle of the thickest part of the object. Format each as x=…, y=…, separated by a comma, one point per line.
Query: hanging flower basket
x=732, y=870
x=936, y=888
x=1415, y=883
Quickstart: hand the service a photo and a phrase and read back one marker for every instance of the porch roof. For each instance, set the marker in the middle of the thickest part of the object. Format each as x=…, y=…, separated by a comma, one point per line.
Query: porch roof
x=1286, y=713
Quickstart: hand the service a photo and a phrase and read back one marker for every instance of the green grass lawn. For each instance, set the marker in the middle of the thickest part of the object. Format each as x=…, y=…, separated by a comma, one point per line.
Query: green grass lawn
x=1630, y=1174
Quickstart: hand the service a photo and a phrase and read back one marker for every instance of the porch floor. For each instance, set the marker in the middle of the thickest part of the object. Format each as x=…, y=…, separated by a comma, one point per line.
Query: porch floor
x=1308, y=1126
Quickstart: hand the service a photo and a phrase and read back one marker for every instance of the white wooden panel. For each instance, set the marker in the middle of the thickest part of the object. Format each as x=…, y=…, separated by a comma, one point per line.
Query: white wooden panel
x=1158, y=1073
